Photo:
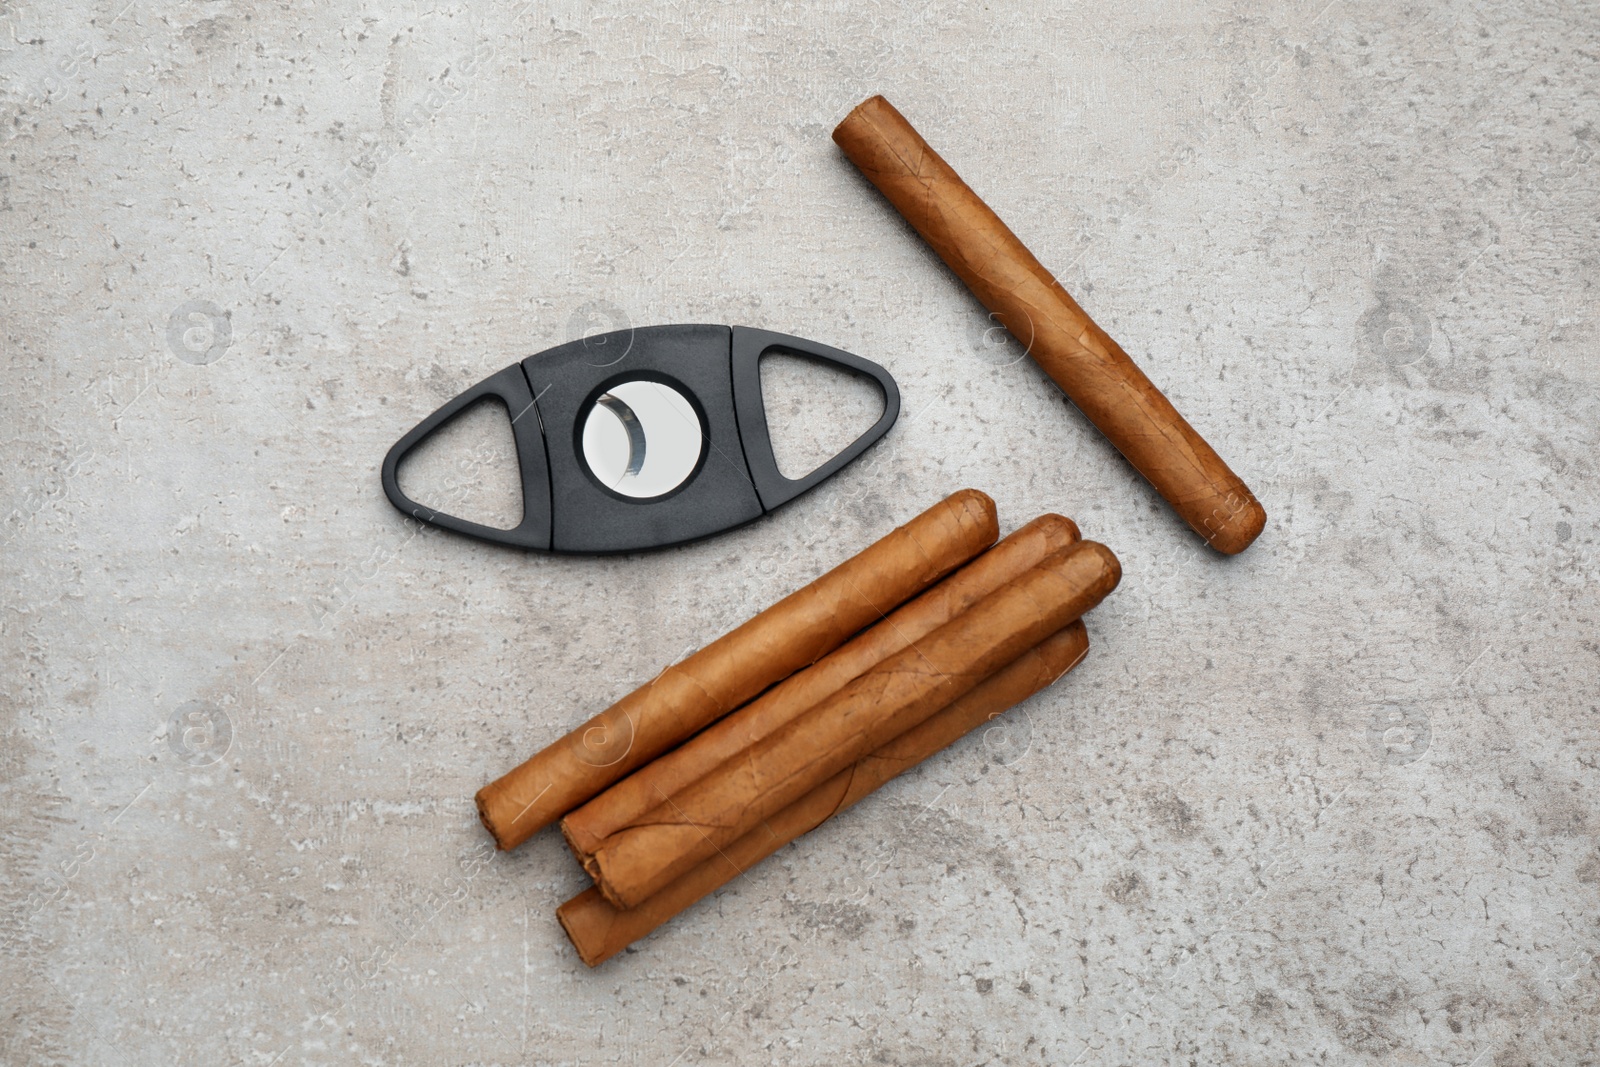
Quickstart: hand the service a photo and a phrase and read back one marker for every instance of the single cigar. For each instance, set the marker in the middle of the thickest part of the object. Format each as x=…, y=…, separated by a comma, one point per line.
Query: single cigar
x=632, y=798
x=599, y=931
x=686, y=697
x=888, y=700
x=1084, y=361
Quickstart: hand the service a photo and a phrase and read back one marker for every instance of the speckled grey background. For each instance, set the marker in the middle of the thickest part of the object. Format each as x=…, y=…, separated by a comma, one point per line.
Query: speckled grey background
x=1332, y=801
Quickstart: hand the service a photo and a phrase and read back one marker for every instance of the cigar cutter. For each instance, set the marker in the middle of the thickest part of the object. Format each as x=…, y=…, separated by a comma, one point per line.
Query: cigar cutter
x=641, y=438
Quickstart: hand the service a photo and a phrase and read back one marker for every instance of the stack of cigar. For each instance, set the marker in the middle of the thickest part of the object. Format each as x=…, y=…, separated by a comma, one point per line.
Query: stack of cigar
x=772, y=729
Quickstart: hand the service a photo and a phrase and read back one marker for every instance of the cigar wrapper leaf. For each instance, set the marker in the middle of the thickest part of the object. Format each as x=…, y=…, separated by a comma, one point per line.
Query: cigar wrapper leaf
x=1090, y=367
x=867, y=713
x=631, y=799
x=599, y=930
x=686, y=697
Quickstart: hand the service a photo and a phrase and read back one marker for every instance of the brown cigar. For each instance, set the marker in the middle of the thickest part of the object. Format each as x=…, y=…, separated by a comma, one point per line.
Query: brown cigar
x=599, y=931
x=1086, y=363
x=880, y=705
x=688, y=696
x=633, y=797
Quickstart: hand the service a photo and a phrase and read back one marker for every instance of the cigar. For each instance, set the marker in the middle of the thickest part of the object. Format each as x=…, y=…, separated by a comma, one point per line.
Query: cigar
x=632, y=798
x=1088, y=365
x=688, y=696
x=888, y=700
x=599, y=931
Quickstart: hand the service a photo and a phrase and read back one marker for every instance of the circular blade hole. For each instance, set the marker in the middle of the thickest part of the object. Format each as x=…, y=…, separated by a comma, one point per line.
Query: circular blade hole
x=642, y=439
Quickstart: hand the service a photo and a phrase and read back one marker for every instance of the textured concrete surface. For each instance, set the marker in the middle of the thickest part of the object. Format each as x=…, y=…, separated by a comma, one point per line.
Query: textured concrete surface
x=1332, y=801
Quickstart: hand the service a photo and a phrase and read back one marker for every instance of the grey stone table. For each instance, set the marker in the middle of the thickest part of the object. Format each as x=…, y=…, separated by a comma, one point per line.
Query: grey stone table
x=1331, y=801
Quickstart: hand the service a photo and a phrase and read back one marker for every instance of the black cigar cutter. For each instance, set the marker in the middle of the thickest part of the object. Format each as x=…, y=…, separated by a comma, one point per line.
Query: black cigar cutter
x=641, y=438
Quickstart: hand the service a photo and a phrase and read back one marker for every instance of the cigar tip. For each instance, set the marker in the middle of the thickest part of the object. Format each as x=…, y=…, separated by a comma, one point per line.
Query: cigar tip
x=1068, y=647
x=597, y=868
x=1241, y=529
x=978, y=500
x=481, y=798
x=1061, y=530
x=570, y=834
x=875, y=102
x=566, y=915
x=1108, y=559
x=971, y=510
